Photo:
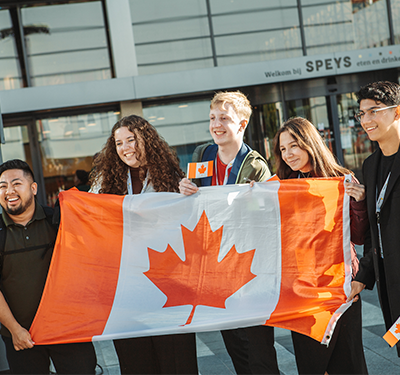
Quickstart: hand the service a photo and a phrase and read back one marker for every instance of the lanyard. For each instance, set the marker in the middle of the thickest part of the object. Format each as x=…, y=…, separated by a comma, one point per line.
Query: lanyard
x=130, y=189
x=226, y=171
x=379, y=203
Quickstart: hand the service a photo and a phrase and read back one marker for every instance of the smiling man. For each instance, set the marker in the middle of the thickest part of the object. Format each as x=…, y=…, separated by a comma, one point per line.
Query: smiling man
x=251, y=349
x=27, y=240
x=234, y=161
x=379, y=116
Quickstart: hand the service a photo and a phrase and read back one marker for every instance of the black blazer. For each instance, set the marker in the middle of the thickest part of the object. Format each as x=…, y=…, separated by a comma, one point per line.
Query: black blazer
x=389, y=284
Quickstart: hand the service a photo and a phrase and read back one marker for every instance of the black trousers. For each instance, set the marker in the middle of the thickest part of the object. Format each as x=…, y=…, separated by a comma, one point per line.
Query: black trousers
x=77, y=358
x=262, y=353
x=167, y=354
x=345, y=353
x=252, y=349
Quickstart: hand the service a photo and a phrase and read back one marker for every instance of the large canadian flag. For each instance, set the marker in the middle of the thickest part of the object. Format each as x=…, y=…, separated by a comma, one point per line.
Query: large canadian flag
x=226, y=257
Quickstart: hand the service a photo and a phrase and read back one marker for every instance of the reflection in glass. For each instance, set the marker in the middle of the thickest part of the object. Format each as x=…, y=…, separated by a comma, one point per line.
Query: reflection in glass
x=344, y=25
x=395, y=15
x=355, y=142
x=183, y=125
x=177, y=35
x=314, y=110
x=72, y=45
x=69, y=143
x=10, y=77
x=17, y=144
x=271, y=119
x=255, y=31
x=171, y=35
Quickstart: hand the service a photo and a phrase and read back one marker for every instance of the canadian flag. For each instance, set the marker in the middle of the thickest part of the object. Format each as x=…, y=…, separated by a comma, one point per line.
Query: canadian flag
x=393, y=335
x=229, y=256
x=200, y=170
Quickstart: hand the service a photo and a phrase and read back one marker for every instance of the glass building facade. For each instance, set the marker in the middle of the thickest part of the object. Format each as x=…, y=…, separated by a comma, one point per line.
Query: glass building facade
x=70, y=69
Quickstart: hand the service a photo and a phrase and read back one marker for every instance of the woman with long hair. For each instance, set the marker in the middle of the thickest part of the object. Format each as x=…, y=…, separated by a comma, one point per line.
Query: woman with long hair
x=137, y=160
x=301, y=152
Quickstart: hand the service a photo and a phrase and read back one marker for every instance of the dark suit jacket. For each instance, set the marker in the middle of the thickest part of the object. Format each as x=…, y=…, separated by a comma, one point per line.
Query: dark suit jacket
x=388, y=284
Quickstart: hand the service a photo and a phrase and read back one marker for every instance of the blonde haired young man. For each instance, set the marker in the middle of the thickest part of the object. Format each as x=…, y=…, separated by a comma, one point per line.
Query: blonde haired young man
x=251, y=349
x=235, y=162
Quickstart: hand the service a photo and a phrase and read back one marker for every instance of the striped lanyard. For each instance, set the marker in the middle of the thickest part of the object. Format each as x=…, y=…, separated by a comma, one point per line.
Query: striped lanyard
x=130, y=188
x=229, y=166
x=379, y=203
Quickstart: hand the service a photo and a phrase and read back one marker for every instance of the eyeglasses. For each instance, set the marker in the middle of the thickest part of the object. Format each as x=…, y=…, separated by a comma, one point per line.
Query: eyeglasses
x=371, y=113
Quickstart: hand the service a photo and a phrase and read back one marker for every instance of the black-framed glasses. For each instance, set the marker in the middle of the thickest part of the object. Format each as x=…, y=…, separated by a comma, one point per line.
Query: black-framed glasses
x=371, y=112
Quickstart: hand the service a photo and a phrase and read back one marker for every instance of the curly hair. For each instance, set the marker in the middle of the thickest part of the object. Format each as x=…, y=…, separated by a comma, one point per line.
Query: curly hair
x=322, y=161
x=161, y=162
x=385, y=92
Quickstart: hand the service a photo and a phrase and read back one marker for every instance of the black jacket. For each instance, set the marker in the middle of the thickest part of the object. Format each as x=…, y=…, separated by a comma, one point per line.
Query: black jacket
x=388, y=285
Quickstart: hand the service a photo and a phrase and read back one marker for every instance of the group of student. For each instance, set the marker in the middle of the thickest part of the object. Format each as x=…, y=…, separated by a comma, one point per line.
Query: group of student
x=137, y=160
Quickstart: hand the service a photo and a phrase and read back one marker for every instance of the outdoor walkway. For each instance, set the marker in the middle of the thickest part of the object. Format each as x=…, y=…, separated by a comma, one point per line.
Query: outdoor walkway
x=213, y=358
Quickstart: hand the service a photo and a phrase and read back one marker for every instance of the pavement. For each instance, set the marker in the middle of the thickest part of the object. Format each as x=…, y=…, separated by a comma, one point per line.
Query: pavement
x=214, y=360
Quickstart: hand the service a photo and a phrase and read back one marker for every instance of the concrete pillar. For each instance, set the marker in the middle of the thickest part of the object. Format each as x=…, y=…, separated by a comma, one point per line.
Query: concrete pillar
x=131, y=108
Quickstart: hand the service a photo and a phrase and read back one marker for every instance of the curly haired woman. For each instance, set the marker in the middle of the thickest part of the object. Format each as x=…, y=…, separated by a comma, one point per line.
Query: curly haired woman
x=137, y=160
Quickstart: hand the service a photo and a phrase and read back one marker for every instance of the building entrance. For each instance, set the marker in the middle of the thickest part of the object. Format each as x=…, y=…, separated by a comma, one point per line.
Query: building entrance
x=55, y=147
x=331, y=109
x=21, y=143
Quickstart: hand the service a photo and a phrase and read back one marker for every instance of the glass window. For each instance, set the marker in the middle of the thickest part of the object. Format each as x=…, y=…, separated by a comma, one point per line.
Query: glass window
x=183, y=125
x=315, y=110
x=156, y=10
x=10, y=77
x=221, y=6
x=247, y=48
x=271, y=118
x=356, y=145
x=68, y=43
x=182, y=51
x=69, y=143
x=251, y=31
x=395, y=16
x=332, y=26
x=17, y=144
x=171, y=35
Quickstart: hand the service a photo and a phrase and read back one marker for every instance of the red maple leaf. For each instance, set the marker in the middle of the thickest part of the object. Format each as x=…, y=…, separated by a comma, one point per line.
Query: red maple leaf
x=200, y=279
x=397, y=328
x=202, y=169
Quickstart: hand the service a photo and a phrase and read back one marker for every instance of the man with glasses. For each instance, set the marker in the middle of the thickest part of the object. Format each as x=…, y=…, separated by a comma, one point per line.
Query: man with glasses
x=379, y=116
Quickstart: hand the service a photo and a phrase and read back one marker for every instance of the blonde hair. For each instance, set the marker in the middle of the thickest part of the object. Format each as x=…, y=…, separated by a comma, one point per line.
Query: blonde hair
x=236, y=99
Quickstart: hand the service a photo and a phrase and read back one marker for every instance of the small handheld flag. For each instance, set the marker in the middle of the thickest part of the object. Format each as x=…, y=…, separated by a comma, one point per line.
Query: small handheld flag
x=393, y=335
x=200, y=170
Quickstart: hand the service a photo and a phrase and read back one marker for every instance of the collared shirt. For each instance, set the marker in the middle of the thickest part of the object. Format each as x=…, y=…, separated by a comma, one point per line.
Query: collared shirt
x=24, y=273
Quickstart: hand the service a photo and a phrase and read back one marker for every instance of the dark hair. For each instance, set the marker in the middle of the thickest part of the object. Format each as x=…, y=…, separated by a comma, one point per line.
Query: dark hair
x=17, y=164
x=159, y=160
x=83, y=176
x=385, y=92
x=322, y=161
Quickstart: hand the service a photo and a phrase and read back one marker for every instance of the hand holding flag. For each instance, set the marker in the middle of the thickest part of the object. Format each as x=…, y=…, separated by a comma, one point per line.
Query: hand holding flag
x=158, y=263
x=200, y=170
